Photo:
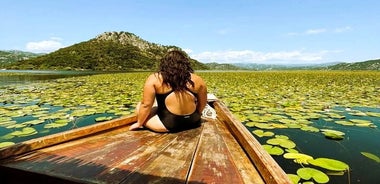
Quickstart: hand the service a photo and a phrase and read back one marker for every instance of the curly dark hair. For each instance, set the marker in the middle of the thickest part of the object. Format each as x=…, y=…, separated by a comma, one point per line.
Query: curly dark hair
x=176, y=70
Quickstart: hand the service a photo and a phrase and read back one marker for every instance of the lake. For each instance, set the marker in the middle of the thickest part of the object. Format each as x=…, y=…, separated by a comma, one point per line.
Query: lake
x=30, y=96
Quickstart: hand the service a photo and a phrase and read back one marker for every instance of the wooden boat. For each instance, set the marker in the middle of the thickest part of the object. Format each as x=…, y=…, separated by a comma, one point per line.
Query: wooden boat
x=222, y=150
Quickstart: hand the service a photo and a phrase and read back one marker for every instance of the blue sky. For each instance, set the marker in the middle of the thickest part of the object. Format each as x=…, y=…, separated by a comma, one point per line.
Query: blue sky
x=223, y=31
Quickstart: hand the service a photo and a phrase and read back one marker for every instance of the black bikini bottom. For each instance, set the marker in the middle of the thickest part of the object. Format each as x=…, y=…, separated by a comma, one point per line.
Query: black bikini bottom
x=176, y=123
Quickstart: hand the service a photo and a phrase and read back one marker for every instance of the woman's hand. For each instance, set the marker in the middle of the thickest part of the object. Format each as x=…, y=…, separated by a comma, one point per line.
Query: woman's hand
x=135, y=126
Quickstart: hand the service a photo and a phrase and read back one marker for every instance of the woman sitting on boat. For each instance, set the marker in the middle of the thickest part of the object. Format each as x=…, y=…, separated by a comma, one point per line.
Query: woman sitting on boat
x=180, y=94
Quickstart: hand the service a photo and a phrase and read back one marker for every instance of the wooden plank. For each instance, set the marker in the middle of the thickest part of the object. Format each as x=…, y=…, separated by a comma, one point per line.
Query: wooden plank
x=213, y=162
x=136, y=155
x=45, y=141
x=82, y=160
x=267, y=166
x=171, y=164
x=246, y=168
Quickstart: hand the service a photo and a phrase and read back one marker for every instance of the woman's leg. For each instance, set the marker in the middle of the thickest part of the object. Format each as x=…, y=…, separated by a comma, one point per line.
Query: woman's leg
x=154, y=123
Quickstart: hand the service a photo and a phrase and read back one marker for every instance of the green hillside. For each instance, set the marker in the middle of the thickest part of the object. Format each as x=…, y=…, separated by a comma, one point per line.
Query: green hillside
x=365, y=65
x=11, y=56
x=110, y=51
x=217, y=66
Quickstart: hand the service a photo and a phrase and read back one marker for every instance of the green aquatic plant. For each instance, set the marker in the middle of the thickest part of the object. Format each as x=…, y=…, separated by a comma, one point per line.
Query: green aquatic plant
x=294, y=178
x=27, y=131
x=374, y=114
x=299, y=158
x=273, y=150
x=330, y=164
x=261, y=133
x=333, y=134
x=371, y=156
x=362, y=123
x=6, y=144
x=282, y=141
x=103, y=118
x=308, y=173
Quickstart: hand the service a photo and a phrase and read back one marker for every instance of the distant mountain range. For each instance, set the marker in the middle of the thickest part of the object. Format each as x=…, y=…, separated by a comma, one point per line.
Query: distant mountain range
x=123, y=51
x=255, y=66
x=365, y=65
x=11, y=56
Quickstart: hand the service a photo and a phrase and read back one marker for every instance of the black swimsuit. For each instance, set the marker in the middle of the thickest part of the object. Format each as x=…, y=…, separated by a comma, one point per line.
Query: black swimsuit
x=173, y=122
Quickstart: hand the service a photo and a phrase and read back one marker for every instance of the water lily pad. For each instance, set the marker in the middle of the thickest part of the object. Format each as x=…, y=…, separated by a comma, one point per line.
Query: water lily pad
x=346, y=123
x=311, y=173
x=27, y=131
x=264, y=126
x=6, y=144
x=62, y=121
x=371, y=156
x=299, y=158
x=250, y=124
x=103, y=118
x=335, y=116
x=285, y=143
x=330, y=164
x=291, y=150
x=374, y=114
x=333, y=134
x=293, y=125
x=309, y=129
x=294, y=178
x=261, y=133
x=273, y=150
x=55, y=124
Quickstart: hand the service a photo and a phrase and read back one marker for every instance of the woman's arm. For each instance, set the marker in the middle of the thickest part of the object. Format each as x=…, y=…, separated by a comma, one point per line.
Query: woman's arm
x=146, y=104
x=202, y=94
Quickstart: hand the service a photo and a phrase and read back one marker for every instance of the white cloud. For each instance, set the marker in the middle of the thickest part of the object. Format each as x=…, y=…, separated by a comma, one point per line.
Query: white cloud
x=315, y=31
x=249, y=56
x=342, y=29
x=45, y=46
x=320, y=31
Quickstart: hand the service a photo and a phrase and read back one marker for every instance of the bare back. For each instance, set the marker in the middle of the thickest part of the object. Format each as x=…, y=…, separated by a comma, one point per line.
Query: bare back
x=181, y=102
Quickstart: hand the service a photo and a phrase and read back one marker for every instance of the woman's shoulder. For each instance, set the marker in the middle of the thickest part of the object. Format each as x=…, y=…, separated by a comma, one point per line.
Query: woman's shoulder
x=196, y=78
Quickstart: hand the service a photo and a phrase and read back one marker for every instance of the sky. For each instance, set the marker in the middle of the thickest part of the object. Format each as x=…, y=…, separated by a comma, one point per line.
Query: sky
x=222, y=31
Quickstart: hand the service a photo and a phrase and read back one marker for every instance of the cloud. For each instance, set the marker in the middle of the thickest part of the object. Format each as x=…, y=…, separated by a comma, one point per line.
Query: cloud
x=320, y=31
x=342, y=29
x=249, y=56
x=315, y=31
x=45, y=46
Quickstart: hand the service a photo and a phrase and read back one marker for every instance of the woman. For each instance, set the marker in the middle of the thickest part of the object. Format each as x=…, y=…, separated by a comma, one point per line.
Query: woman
x=180, y=94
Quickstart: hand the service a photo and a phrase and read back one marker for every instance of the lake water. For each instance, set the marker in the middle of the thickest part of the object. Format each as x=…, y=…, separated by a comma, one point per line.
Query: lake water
x=27, y=76
x=11, y=78
x=357, y=139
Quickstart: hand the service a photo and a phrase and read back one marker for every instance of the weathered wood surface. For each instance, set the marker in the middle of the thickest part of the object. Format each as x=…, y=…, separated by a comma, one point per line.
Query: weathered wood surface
x=208, y=154
x=45, y=141
x=265, y=164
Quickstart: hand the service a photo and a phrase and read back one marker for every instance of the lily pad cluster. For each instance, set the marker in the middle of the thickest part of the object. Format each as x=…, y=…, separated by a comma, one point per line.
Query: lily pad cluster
x=299, y=101
x=62, y=103
x=263, y=101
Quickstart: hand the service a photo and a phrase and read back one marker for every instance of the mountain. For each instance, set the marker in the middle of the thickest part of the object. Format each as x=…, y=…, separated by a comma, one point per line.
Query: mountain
x=110, y=51
x=12, y=56
x=365, y=65
x=256, y=66
x=218, y=66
